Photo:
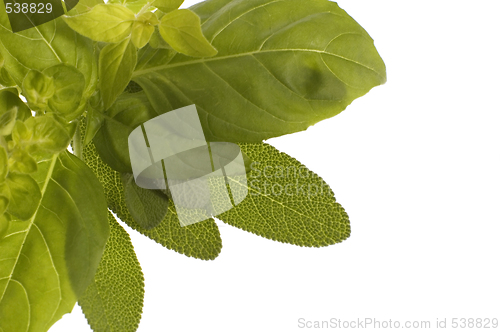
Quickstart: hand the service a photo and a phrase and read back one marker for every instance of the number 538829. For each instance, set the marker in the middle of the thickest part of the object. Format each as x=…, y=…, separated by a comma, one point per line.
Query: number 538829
x=39, y=8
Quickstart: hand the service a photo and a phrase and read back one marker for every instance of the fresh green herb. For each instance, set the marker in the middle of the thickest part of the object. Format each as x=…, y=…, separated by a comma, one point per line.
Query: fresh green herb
x=254, y=69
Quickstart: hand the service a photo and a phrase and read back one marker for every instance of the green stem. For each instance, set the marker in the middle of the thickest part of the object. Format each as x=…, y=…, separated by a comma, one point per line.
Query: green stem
x=77, y=143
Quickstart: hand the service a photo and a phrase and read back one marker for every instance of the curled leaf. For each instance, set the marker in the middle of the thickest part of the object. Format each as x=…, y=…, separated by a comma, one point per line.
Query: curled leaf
x=69, y=85
x=38, y=88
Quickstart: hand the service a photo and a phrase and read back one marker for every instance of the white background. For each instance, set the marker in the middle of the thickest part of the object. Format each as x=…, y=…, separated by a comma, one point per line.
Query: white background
x=415, y=163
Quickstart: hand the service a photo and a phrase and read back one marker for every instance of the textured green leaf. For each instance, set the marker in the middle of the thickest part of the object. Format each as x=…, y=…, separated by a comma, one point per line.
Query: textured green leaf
x=108, y=23
x=116, y=64
x=201, y=240
x=282, y=66
x=49, y=44
x=113, y=301
x=147, y=207
x=286, y=202
x=181, y=29
x=47, y=261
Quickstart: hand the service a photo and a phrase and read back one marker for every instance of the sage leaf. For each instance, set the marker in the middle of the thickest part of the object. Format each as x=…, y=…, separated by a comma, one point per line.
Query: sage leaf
x=281, y=67
x=49, y=260
x=147, y=207
x=286, y=202
x=108, y=23
x=181, y=29
x=201, y=240
x=116, y=64
x=113, y=301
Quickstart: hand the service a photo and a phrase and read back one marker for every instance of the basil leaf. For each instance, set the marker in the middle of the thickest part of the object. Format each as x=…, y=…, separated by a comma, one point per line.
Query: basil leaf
x=143, y=29
x=294, y=205
x=282, y=66
x=24, y=195
x=9, y=99
x=167, y=6
x=133, y=5
x=105, y=22
x=69, y=85
x=116, y=64
x=49, y=260
x=49, y=44
x=38, y=88
x=105, y=304
x=181, y=29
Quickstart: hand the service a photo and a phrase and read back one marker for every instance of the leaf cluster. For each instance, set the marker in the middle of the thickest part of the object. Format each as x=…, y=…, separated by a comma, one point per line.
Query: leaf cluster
x=255, y=69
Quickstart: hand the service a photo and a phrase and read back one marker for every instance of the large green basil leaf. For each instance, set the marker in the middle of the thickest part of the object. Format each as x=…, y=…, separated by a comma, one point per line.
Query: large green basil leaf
x=44, y=46
x=281, y=67
x=113, y=301
x=47, y=261
x=286, y=202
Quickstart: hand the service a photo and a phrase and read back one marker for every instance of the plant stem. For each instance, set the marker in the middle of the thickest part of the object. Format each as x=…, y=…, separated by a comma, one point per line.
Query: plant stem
x=77, y=142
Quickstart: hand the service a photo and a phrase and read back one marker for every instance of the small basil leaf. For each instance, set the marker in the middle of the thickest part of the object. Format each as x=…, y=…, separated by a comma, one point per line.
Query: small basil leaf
x=20, y=161
x=167, y=6
x=69, y=85
x=143, y=28
x=133, y=5
x=182, y=30
x=116, y=65
x=47, y=136
x=109, y=23
x=24, y=195
x=9, y=98
x=7, y=121
x=38, y=88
